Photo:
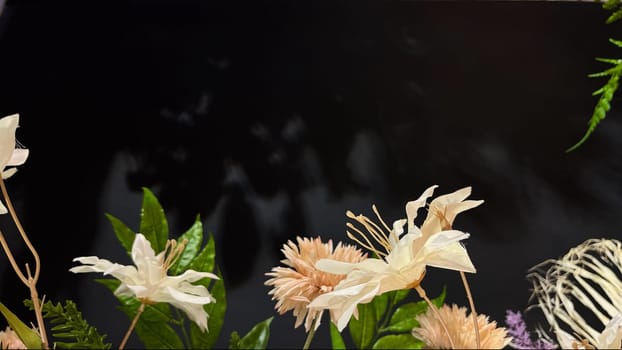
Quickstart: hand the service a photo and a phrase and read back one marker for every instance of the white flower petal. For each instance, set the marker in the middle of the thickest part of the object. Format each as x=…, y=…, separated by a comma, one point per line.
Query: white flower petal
x=8, y=173
x=3, y=209
x=413, y=206
x=19, y=157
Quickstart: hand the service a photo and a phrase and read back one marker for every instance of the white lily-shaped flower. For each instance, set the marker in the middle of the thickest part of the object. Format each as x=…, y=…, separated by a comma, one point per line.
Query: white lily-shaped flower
x=148, y=280
x=404, y=263
x=9, y=155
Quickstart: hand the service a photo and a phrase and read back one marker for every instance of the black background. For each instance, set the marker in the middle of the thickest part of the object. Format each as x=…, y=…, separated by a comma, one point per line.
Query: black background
x=271, y=118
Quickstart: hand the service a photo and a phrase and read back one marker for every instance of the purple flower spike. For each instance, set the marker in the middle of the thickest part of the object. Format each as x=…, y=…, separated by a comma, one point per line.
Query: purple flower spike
x=521, y=338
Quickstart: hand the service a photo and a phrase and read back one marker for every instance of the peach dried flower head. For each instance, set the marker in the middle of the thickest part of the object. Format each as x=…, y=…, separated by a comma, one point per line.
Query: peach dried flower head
x=298, y=284
x=460, y=327
x=10, y=340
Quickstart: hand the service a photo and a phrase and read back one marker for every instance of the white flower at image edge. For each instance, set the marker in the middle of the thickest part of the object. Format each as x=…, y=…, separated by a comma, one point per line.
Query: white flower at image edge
x=150, y=284
x=9, y=155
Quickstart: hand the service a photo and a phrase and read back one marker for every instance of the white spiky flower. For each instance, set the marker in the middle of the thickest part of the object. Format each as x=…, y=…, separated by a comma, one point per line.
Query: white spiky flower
x=580, y=294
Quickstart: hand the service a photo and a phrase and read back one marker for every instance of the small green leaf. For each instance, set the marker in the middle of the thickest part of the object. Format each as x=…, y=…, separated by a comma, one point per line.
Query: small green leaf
x=124, y=234
x=234, y=340
x=29, y=337
x=335, y=338
x=257, y=337
x=440, y=299
x=400, y=295
x=398, y=341
x=363, y=330
x=194, y=237
x=404, y=317
x=216, y=312
x=153, y=222
x=204, y=262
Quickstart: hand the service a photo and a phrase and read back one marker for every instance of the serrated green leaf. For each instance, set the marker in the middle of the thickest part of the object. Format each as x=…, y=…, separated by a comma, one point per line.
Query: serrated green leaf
x=363, y=330
x=335, y=338
x=153, y=223
x=216, y=312
x=398, y=341
x=257, y=337
x=30, y=338
x=194, y=238
x=124, y=234
x=204, y=262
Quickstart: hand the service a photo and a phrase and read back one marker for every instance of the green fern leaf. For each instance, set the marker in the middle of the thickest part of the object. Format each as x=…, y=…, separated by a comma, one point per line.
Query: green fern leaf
x=606, y=95
x=69, y=326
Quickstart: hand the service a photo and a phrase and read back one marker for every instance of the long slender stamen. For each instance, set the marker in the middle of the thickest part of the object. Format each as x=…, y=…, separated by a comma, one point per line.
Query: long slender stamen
x=172, y=252
x=374, y=231
x=391, y=233
x=367, y=246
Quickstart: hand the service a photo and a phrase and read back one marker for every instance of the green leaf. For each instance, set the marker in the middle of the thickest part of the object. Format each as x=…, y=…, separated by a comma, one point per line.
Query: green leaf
x=124, y=234
x=216, y=312
x=256, y=338
x=404, y=317
x=440, y=299
x=204, y=262
x=335, y=338
x=364, y=330
x=398, y=341
x=194, y=238
x=400, y=295
x=234, y=340
x=153, y=222
x=29, y=337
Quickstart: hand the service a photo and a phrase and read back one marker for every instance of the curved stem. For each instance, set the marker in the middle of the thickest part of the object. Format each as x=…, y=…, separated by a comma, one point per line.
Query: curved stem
x=140, y=310
x=422, y=294
x=29, y=281
x=472, y=305
x=7, y=250
x=310, y=335
x=18, y=224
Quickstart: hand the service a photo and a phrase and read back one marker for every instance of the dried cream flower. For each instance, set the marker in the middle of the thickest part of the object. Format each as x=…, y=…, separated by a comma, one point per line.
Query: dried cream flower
x=10, y=340
x=582, y=288
x=296, y=285
x=148, y=280
x=460, y=327
x=9, y=155
x=405, y=259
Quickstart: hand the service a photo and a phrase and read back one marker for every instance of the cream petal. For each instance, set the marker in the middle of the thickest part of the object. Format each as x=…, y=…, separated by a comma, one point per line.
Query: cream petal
x=193, y=276
x=8, y=125
x=188, y=298
x=19, y=157
x=398, y=230
x=3, y=209
x=8, y=173
x=413, y=206
x=452, y=257
x=611, y=337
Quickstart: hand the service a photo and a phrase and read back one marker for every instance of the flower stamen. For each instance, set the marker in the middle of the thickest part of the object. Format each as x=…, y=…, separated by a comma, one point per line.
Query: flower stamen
x=173, y=251
x=374, y=230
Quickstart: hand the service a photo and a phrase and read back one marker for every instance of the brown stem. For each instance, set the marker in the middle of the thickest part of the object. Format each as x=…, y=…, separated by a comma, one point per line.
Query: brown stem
x=36, y=305
x=30, y=281
x=18, y=224
x=422, y=294
x=140, y=310
x=472, y=305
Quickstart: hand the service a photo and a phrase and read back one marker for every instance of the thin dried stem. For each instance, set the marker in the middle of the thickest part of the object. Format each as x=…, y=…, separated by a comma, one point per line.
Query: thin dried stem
x=29, y=280
x=472, y=305
x=140, y=310
x=422, y=294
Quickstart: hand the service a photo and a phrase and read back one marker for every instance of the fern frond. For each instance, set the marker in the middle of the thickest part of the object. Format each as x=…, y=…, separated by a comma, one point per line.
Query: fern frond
x=616, y=7
x=68, y=324
x=604, y=101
